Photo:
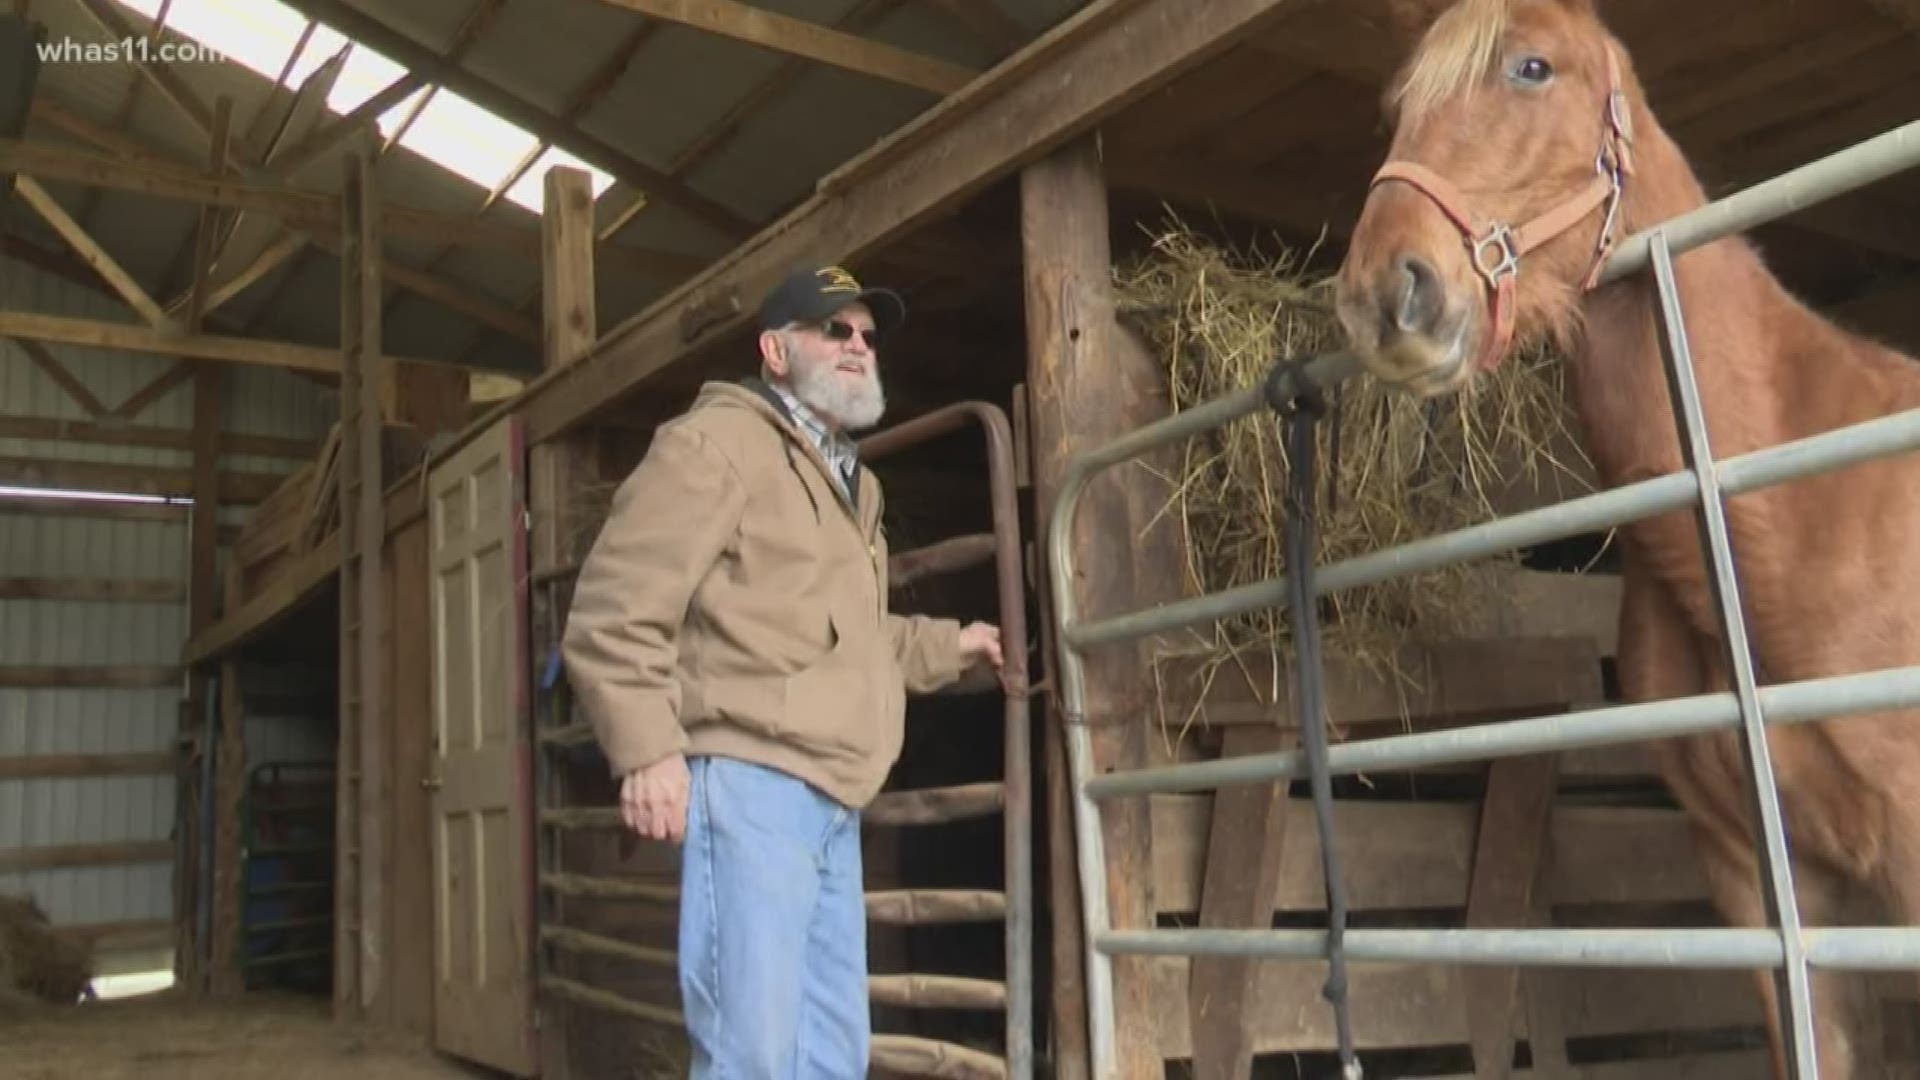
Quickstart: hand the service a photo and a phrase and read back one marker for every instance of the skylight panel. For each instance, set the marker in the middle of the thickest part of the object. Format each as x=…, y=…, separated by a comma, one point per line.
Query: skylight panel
x=451, y=131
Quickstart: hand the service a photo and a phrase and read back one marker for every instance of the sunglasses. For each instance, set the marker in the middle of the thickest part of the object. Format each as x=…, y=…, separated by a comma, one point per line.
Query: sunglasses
x=838, y=330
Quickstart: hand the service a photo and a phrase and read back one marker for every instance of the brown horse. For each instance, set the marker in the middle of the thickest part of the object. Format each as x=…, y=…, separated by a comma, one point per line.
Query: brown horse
x=1529, y=112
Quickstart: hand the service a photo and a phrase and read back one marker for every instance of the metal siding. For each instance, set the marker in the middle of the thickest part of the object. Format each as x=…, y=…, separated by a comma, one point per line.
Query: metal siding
x=43, y=632
x=90, y=632
x=112, y=375
x=264, y=401
x=38, y=546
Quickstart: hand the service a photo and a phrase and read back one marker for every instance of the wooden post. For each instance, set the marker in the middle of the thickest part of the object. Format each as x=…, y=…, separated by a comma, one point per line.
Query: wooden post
x=203, y=594
x=229, y=795
x=571, y=328
x=1508, y=854
x=557, y=468
x=1082, y=393
x=1242, y=874
x=365, y=387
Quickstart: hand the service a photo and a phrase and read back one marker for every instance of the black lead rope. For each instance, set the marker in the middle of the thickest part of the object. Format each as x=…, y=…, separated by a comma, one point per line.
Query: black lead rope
x=1301, y=406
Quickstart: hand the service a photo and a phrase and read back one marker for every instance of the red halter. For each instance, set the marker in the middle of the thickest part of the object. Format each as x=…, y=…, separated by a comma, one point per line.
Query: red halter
x=1496, y=250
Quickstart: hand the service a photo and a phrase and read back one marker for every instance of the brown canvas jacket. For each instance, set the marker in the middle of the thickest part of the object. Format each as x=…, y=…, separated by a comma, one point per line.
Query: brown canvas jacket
x=734, y=603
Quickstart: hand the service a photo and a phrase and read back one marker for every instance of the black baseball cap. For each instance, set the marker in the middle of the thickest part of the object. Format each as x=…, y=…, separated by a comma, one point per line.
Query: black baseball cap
x=812, y=293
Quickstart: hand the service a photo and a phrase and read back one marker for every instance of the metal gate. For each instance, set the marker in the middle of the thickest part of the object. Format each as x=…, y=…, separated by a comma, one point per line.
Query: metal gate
x=1010, y=793
x=1702, y=483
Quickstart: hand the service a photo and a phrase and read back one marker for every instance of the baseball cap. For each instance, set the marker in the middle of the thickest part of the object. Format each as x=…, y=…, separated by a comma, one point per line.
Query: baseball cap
x=812, y=293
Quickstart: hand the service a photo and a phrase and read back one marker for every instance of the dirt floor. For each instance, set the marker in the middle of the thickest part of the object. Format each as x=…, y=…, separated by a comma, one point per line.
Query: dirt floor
x=168, y=1037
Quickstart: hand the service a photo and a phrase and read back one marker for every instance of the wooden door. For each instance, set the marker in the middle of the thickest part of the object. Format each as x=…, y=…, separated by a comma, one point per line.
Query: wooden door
x=482, y=794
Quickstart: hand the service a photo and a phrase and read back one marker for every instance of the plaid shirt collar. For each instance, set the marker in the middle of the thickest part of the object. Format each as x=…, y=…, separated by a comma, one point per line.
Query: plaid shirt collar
x=841, y=455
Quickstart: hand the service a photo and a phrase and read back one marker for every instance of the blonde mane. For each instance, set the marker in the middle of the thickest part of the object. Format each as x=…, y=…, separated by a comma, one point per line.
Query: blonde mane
x=1455, y=52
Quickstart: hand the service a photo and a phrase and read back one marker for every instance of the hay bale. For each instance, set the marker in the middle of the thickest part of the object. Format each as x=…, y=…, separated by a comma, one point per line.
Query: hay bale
x=1393, y=468
x=37, y=965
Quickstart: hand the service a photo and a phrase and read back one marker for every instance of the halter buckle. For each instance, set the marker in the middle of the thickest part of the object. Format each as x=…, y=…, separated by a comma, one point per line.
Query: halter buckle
x=1499, y=240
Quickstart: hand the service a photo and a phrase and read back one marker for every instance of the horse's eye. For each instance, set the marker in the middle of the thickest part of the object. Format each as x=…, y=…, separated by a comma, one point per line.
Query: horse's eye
x=1532, y=71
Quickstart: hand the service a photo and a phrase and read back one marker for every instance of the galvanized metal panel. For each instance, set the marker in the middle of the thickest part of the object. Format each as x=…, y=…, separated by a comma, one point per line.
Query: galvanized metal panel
x=85, y=722
x=97, y=894
x=92, y=810
x=90, y=632
x=45, y=546
x=264, y=401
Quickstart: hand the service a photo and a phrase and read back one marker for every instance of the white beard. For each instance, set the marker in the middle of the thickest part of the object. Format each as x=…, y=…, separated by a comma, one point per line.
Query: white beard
x=855, y=407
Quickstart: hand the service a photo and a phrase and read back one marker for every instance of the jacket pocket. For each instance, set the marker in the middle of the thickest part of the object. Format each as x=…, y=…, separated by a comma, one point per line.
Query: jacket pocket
x=839, y=703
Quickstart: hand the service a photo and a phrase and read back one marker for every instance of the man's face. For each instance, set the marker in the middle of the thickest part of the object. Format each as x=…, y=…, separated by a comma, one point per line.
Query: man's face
x=833, y=366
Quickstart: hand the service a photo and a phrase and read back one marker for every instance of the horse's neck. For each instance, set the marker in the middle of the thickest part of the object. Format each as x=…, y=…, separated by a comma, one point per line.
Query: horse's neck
x=1618, y=372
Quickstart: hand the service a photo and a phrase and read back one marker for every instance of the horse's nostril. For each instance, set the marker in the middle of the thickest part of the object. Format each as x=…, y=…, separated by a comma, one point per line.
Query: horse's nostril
x=1416, y=304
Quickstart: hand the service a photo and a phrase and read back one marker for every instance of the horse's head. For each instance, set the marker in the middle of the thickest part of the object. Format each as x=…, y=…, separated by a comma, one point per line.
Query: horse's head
x=1500, y=194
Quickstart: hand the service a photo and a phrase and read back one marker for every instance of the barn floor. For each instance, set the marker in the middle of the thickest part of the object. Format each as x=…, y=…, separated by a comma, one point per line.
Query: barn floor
x=169, y=1037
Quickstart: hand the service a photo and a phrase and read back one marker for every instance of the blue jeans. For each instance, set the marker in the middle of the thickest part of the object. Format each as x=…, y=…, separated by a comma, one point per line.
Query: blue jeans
x=773, y=927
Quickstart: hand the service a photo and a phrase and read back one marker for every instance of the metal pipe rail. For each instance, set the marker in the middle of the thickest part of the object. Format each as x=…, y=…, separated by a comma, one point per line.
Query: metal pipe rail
x=1838, y=948
x=1009, y=795
x=1702, y=482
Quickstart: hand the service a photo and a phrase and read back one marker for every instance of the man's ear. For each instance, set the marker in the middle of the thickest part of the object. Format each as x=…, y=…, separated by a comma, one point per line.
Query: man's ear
x=773, y=354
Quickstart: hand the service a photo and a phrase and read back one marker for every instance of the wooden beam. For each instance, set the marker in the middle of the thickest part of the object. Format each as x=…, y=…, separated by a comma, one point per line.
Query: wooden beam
x=1084, y=390
x=366, y=387
x=557, y=468
x=229, y=798
x=128, y=590
x=132, y=167
x=153, y=438
x=797, y=37
x=1509, y=852
x=60, y=329
x=156, y=388
x=1247, y=837
x=1110, y=54
x=76, y=766
x=517, y=110
x=66, y=380
x=69, y=856
x=292, y=587
x=90, y=251
x=88, y=677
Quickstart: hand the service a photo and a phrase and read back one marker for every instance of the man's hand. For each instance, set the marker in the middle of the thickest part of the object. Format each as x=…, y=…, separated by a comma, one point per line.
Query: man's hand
x=653, y=800
x=981, y=640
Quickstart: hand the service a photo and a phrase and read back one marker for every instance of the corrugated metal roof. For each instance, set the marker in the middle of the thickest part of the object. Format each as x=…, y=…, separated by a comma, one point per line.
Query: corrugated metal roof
x=682, y=82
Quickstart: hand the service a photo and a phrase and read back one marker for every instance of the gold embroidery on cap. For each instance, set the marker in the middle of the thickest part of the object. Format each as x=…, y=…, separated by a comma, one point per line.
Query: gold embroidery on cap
x=838, y=280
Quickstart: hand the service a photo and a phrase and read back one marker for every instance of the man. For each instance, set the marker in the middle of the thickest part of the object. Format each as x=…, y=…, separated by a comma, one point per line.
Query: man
x=730, y=642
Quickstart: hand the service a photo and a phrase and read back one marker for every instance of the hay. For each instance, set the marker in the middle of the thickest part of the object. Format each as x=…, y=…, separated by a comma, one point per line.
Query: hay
x=1393, y=468
x=37, y=966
